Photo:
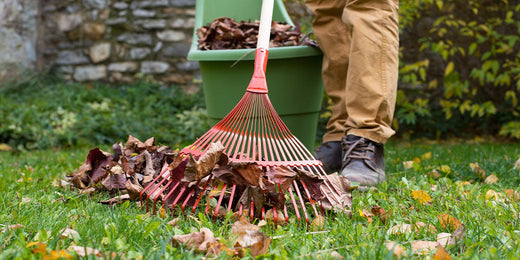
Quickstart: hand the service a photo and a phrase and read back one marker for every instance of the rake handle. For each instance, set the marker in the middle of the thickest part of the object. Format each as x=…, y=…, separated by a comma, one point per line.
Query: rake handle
x=258, y=83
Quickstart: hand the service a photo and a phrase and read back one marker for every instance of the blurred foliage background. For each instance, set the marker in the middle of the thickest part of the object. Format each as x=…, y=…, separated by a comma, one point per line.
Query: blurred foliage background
x=459, y=77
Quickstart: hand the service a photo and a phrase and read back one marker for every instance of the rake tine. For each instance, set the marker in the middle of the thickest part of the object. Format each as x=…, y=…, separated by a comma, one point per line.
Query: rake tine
x=309, y=197
x=187, y=198
x=241, y=209
x=231, y=197
x=252, y=209
x=200, y=195
x=170, y=193
x=165, y=168
x=275, y=217
x=301, y=201
x=183, y=189
x=263, y=213
x=220, y=199
x=160, y=192
x=295, y=205
x=285, y=212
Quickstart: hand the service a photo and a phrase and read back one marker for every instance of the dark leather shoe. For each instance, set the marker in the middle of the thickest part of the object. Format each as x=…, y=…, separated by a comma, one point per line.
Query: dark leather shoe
x=329, y=153
x=363, y=161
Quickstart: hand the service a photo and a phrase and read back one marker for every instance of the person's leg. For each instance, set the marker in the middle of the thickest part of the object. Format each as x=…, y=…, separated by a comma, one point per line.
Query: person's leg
x=371, y=87
x=333, y=37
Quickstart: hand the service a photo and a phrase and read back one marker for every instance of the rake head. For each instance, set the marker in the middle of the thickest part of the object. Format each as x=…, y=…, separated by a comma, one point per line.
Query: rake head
x=249, y=163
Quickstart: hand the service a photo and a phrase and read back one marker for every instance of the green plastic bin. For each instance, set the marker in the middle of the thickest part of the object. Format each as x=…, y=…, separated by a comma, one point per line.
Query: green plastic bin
x=293, y=73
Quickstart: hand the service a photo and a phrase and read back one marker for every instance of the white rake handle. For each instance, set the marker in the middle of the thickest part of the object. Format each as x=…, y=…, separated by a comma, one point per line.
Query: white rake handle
x=266, y=17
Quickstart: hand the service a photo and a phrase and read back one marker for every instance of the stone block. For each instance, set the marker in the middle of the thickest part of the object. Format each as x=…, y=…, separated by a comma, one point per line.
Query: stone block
x=68, y=22
x=179, y=49
x=139, y=53
x=186, y=23
x=94, y=31
x=120, y=5
x=171, y=36
x=152, y=23
x=88, y=73
x=188, y=65
x=99, y=52
x=154, y=67
x=136, y=38
x=148, y=3
x=71, y=57
x=95, y=4
x=114, y=21
x=182, y=3
x=127, y=66
x=143, y=13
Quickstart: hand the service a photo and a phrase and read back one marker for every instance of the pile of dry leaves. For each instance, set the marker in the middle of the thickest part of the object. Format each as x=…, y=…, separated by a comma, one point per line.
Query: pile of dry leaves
x=226, y=33
x=134, y=167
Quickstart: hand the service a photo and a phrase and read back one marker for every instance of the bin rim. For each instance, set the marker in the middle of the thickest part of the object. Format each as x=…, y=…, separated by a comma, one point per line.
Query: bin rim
x=195, y=54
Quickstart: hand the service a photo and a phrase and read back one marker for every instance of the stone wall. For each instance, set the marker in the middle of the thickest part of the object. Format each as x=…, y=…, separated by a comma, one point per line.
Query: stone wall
x=18, y=36
x=119, y=40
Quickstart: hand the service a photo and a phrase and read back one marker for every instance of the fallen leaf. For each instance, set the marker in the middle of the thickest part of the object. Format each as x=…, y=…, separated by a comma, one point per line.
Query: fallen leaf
x=116, y=200
x=449, y=222
x=57, y=254
x=249, y=237
x=338, y=186
x=365, y=213
x=381, y=213
x=512, y=195
x=408, y=164
x=492, y=195
x=37, y=247
x=12, y=227
x=422, y=247
x=434, y=174
x=336, y=255
x=134, y=189
x=395, y=248
x=517, y=164
x=441, y=254
x=198, y=169
x=85, y=251
x=420, y=225
x=280, y=218
x=162, y=213
x=400, y=229
x=317, y=223
x=445, y=169
x=426, y=156
x=491, y=179
x=421, y=196
x=5, y=147
x=69, y=233
x=174, y=222
x=477, y=170
x=200, y=241
x=444, y=238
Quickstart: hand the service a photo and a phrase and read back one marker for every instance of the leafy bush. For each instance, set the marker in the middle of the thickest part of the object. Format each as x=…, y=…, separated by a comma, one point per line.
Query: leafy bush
x=460, y=67
x=43, y=112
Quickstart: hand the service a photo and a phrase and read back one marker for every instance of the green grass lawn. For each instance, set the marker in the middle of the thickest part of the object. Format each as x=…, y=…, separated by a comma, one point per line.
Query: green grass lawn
x=30, y=196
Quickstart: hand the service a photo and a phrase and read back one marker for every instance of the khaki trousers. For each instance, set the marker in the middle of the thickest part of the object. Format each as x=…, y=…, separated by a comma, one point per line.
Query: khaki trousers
x=360, y=43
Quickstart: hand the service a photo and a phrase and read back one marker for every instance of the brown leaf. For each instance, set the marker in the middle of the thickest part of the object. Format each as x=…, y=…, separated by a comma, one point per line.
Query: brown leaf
x=317, y=223
x=250, y=237
x=449, y=222
x=281, y=175
x=491, y=179
x=174, y=222
x=512, y=195
x=335, y=184
x=69, y=233
x=421, y=247
x=395, y=248
x=200, y=241
x=198, y=169
x=477, y=170
x=85, y=251
x=116, y=200
x=252, y=174
x=133, y=146
x=92, y=170
x=134, y=189
x=12, y=227
x=280, y=217
x=115, y=179
x=381, y=213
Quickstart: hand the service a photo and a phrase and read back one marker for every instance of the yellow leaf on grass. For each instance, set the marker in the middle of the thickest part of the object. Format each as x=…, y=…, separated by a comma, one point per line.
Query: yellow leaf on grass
x=421, y=196
x=37, y=247
x=408, y=164
x=445, y=169
x=365, y=213
x=491, y=179
x=477, y=170
x=55, y=255
x=449, y=222
x=441, y=254
x=492, y=195
x=426, y=156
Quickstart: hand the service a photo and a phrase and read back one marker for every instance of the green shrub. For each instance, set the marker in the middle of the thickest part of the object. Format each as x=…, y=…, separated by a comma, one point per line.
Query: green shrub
x=460, y=68
x=44, y=112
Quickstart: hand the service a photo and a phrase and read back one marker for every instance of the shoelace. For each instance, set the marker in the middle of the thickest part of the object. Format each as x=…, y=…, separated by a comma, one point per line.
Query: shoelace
x=357, y=149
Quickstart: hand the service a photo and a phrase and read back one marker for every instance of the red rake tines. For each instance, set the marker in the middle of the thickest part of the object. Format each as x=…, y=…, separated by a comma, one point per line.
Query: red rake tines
x=251, y=133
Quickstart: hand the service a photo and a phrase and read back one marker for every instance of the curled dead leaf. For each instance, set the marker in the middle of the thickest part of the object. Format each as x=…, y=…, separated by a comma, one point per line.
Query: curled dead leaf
x=12, y=227
x=512, y=195
x=249, y=237
x=422, y=247
x=116, y=200
x=421, y=196
x=85, y=251
x=200, y=241
x=449, y=222
x=395, y=248
x=400, y=229
x=69, y=233
x=491, y=179
x=318, y=223
x=198, y=169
